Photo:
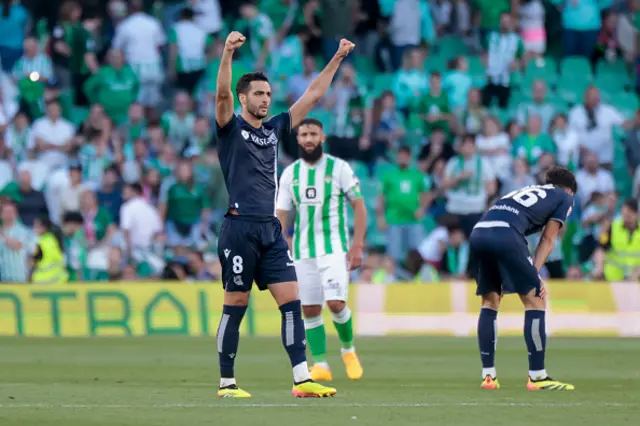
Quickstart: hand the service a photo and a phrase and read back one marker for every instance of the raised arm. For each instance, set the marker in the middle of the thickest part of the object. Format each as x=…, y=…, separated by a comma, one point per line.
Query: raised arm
x=224, y=93
x=318, y=87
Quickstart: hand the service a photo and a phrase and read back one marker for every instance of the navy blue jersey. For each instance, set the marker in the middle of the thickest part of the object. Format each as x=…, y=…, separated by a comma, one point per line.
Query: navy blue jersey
x=529, y=209
x=249, y=160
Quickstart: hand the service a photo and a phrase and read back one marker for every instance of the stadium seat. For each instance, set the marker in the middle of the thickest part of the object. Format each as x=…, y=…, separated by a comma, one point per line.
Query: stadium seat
x=612, y=82
x=381, y=168
x=325, y=117
x=360, y=169
x=617, y=67
x=365, y=67
x=571, y=89
x=626, y=102
x=477, y=71
x=545, y=69
x=576, y=67
x=382, y=82
x=449, y=47
x=435, y=63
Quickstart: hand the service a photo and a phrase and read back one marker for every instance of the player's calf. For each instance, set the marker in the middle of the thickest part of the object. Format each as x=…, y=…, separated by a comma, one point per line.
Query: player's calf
x=488, y=338
x=317, y=340
x=228, y=336
x=341, y=315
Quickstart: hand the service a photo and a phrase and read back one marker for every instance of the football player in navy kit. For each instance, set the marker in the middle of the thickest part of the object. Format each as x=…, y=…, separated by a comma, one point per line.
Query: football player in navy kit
x=251, y=245
x=504, y=266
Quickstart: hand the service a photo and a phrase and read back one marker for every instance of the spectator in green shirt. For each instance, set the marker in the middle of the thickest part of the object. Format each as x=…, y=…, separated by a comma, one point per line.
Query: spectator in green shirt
x=115, y=87
x=434, y=107
x=98, y=225
x=410, y=82
x=186, y=210
x=402, y=205
x=533, y=142
x=74, y=50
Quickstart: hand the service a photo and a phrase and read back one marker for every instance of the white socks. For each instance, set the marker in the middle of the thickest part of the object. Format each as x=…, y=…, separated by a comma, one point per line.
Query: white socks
x=489, y=372
x=537, y=374
x=342, y=317
x=301, y=372
x=224, y=382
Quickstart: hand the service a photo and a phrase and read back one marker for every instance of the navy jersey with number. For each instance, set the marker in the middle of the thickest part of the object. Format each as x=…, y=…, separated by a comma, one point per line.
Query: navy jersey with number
x=529, y=209
x=249, y=158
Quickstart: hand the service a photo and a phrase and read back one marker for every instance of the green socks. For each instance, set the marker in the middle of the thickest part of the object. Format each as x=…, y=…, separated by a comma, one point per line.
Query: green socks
x=344, y=326
x=317, y=335
x=317, y=338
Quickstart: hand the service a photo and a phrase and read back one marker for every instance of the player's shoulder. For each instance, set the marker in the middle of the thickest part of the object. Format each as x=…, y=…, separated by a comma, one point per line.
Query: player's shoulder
x=287, y=173
x=338, y=163
x=228, y=126
x=281, y=120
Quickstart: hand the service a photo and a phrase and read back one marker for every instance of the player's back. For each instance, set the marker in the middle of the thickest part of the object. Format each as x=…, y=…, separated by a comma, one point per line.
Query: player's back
x=502, y=261
x=248, y=157
x=529, y=209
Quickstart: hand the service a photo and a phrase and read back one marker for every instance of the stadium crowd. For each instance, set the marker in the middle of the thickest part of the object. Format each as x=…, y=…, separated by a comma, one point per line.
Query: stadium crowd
x=108, y=164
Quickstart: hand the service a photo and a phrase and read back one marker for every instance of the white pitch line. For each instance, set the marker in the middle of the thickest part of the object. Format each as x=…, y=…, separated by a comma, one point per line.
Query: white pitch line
x=328, y=404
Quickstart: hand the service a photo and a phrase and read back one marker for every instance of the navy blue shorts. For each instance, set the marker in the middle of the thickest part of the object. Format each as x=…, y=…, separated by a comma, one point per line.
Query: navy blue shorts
x=503, y=263
x=253, y=249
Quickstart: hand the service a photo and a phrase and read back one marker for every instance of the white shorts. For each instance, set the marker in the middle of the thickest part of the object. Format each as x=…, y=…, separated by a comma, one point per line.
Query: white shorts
x=323, y=278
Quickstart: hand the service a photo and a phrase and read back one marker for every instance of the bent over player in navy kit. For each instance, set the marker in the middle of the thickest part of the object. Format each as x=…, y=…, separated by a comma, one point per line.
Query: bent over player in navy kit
x=251, y=246
x=504, y=266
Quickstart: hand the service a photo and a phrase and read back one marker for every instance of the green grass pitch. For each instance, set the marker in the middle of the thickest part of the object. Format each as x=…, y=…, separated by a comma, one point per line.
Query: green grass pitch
x=408, y=381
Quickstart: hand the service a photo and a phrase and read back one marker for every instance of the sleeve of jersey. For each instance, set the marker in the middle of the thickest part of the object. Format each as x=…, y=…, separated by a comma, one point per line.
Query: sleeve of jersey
x=285, y=198
x=225, y=130
x=563, y=210
x=282, y=122
x=349, y=183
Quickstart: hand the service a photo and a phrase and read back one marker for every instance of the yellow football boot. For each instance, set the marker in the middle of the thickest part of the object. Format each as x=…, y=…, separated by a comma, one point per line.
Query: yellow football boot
x=320, y=373
x=353, y=366
x=548, y=384
x=490, y=383
x=232, y=391
x=311, y=389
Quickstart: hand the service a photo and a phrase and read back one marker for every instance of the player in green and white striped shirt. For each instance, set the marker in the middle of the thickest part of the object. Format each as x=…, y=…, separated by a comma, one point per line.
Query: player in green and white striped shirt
x=319, y=187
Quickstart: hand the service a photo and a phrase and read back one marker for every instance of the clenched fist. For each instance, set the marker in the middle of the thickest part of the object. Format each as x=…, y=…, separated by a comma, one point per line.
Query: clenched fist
x=234, y=41
x=345, y=48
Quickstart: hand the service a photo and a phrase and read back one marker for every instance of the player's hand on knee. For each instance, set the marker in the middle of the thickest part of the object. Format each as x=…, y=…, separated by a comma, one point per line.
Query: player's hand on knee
x=345, y=48
x=234, y=41
x=543, y=291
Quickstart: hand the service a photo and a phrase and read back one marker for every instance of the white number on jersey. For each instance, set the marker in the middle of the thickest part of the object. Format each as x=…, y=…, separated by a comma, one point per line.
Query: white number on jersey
x=529, y=195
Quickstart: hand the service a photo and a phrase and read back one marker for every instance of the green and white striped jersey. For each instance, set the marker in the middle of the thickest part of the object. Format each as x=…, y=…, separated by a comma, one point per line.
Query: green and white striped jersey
x=319, y=193
x=502, y=51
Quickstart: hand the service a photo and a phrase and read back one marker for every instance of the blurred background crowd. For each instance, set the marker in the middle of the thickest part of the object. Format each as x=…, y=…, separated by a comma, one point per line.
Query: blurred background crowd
x=108, y=163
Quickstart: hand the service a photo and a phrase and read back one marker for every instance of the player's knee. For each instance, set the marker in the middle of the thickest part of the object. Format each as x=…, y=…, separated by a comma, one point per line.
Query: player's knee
x=236, y=298
x=336, y=306
x=491, y=301
x=533, y=302
x=312, y=311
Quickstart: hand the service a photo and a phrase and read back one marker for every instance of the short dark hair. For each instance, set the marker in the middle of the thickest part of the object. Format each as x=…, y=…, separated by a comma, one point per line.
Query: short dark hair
x=310, y=122
x=242, y=87
x=135, y=187
x=436, y=74
x=187, y=13
x=468, y=137
x=73, y=217
x=405, y=149
x=562, y=177
x=631, y=204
